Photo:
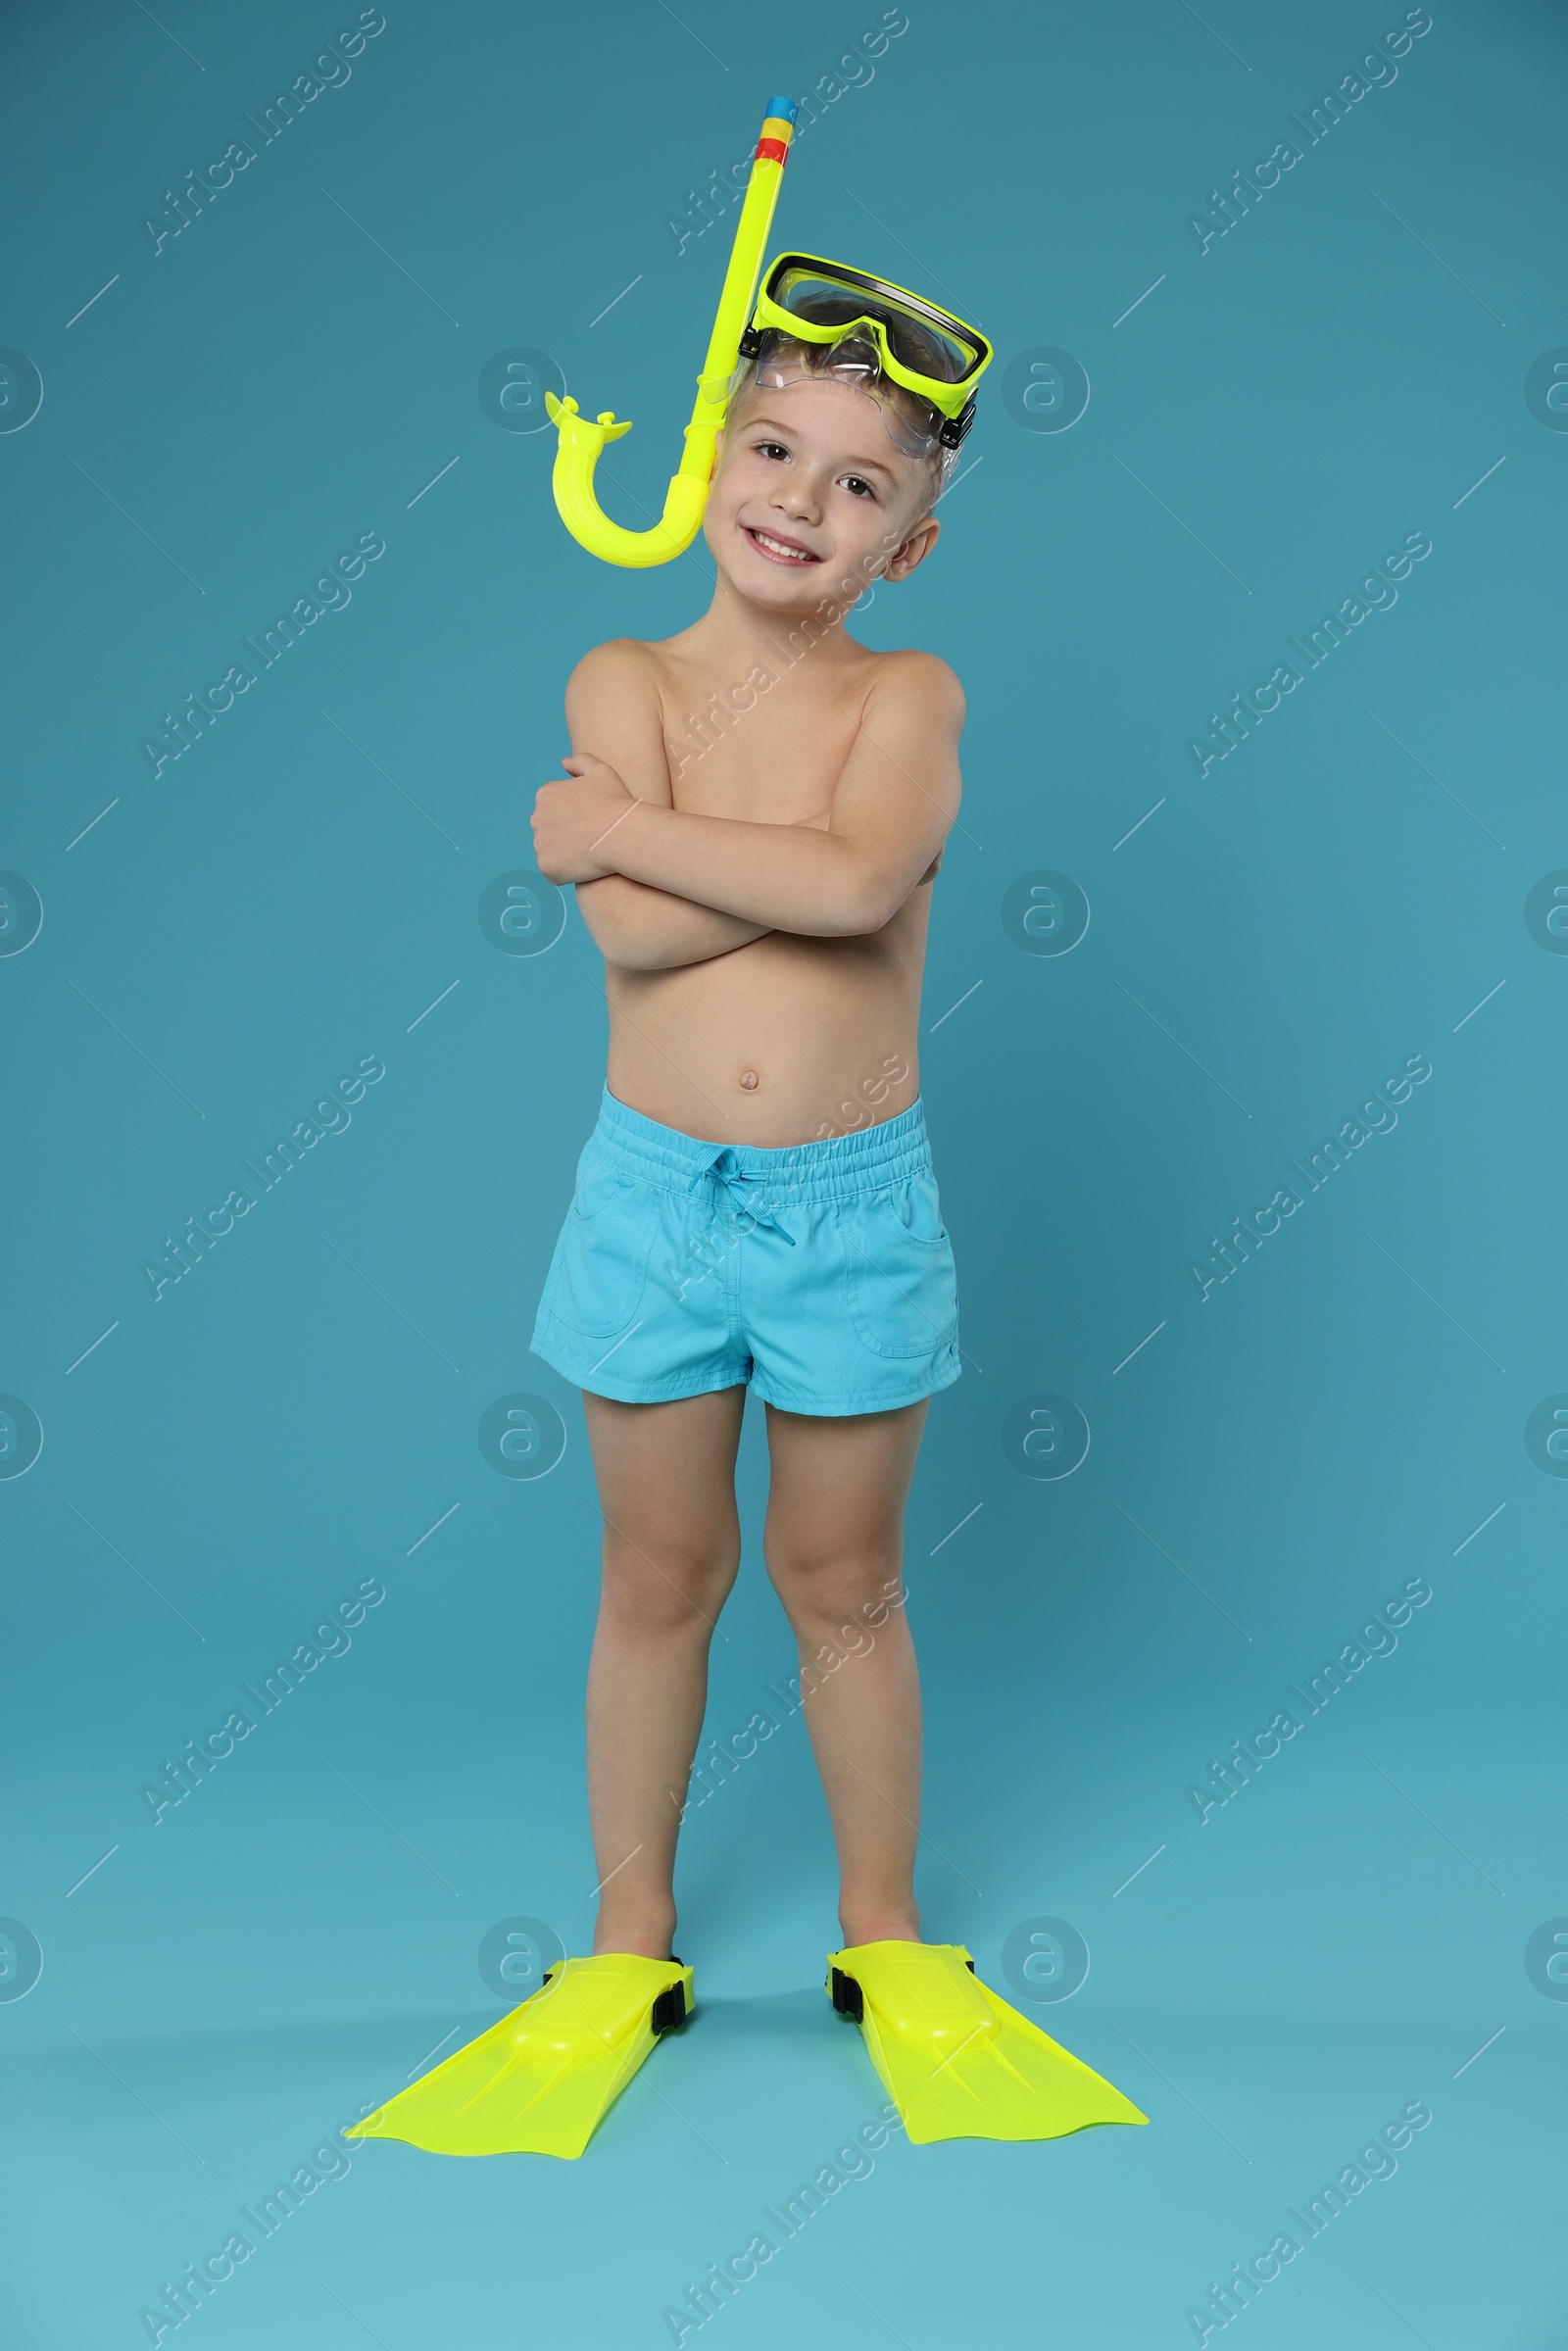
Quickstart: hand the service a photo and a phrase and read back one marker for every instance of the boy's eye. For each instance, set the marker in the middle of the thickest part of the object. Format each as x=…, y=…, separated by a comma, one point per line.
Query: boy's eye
x=774, y=449
x=857, y=486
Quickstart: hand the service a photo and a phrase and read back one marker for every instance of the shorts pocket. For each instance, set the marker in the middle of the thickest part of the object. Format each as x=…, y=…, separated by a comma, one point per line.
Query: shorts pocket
x=605, y=1244
x=902, y=1283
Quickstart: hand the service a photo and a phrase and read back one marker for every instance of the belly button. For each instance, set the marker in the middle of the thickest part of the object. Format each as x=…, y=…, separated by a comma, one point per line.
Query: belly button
x=749, y=1079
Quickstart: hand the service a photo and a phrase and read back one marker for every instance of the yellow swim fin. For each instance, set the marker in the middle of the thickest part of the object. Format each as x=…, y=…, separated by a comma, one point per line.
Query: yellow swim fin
x=957, y=2061
x=537, y=2083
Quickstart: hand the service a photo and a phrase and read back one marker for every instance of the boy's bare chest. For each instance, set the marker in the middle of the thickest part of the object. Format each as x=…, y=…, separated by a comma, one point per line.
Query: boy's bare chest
x=763, y=753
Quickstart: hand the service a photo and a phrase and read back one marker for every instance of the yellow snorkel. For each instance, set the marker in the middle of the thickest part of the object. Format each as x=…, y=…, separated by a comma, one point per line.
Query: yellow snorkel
x=581, y=440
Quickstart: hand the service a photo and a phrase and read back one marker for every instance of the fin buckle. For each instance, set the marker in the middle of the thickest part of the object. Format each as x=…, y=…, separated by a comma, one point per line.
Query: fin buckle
x=670, y=2009
x=847, y=1998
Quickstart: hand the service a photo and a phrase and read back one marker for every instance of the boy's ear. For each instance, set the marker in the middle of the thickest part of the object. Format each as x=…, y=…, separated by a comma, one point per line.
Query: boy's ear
x=913, y=550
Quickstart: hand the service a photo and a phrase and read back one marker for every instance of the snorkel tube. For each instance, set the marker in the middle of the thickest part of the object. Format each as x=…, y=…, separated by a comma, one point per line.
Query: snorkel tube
x=577, y=453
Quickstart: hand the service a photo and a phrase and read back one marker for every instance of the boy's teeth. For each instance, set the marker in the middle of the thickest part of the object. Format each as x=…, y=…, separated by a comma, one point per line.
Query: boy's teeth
x=797, y=553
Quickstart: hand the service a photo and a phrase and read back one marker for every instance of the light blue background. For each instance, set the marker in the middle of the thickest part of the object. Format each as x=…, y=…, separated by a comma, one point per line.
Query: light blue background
x=1341, y=1416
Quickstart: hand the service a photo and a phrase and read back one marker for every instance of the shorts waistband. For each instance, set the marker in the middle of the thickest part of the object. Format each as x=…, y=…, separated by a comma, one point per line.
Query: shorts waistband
x=842, y=1167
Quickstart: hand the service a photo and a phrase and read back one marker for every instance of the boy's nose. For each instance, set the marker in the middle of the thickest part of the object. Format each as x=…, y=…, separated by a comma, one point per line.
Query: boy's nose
x=799, y=505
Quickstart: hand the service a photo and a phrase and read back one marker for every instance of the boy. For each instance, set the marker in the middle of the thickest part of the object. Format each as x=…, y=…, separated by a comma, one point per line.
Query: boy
x=760, y=896
x=757, y=1207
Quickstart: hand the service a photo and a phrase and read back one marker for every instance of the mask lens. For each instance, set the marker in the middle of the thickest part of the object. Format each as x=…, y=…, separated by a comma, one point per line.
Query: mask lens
x=922, y=342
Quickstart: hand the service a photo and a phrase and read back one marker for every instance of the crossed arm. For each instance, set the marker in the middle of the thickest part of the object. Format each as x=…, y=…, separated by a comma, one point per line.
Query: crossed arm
x=660, y=887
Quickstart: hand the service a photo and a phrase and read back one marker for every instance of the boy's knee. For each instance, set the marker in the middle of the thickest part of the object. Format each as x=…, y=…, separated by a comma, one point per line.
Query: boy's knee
x=825, y=1585
x=670, y=1589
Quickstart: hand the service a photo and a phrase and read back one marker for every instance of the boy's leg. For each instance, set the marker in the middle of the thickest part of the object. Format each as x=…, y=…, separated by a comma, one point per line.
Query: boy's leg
x=834, y=1542
x=672, y=1547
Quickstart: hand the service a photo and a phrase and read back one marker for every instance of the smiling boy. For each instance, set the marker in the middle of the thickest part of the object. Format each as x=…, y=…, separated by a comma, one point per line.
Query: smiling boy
x=756, y=1206
x=756, y=1209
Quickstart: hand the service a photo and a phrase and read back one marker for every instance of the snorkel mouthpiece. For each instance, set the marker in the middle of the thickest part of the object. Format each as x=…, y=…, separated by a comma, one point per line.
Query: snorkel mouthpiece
x=581, y=439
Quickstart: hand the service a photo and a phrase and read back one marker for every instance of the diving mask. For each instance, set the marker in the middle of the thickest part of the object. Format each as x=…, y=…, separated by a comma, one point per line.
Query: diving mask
x=825, y=320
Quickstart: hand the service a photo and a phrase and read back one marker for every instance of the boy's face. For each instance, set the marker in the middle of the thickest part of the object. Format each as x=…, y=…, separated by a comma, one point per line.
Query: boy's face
x=811, y=499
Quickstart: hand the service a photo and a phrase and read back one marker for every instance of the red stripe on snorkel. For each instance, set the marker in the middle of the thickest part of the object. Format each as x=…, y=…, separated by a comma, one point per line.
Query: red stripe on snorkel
x=772, y=151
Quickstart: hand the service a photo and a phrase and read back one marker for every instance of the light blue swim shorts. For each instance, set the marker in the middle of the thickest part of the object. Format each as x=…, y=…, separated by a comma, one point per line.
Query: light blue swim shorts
x=820, y=1274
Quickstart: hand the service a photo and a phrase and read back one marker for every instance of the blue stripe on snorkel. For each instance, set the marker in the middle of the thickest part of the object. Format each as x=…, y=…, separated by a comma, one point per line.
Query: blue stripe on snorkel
x=785, y=108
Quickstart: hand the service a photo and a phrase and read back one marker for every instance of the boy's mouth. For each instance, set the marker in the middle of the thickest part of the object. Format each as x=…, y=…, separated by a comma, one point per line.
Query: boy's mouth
x=778, y=549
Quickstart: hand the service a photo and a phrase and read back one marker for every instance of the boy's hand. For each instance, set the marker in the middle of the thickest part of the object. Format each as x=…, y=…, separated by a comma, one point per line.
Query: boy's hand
x=574, y=820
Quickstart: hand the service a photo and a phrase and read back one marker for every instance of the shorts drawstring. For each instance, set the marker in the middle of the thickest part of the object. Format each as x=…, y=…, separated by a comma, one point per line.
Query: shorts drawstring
x=725, y=1171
